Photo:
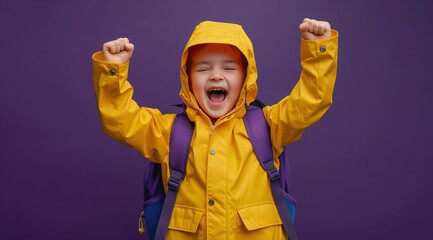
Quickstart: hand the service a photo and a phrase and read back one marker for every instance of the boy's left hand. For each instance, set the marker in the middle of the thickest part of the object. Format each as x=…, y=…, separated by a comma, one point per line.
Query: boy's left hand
x=312, y=29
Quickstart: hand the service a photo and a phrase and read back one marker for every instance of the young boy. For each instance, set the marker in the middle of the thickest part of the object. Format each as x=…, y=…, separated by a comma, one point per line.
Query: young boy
x=226, y=194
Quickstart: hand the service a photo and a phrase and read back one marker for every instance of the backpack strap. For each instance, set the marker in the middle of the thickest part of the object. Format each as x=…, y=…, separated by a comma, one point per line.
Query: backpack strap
x=180, y=140
x=259, y=134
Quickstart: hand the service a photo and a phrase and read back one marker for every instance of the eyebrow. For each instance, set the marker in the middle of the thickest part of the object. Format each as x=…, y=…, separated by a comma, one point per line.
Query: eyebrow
x=224, y=61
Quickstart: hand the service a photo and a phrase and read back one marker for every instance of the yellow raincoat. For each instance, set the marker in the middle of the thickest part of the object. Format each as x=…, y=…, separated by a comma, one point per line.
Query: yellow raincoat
x=225, y=194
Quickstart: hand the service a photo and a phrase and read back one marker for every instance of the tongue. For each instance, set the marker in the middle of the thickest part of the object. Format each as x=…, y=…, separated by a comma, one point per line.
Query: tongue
x=217, y=96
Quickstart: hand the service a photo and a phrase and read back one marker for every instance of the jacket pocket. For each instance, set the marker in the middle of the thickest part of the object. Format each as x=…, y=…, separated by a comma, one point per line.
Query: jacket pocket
x=259, y=216
x=185, y=219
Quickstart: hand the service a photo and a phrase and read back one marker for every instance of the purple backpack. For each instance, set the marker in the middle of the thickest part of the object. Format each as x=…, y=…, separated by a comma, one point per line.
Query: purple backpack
x=158, y=206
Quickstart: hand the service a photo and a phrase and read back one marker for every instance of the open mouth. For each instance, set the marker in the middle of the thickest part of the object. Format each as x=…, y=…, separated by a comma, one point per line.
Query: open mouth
x=217, y=94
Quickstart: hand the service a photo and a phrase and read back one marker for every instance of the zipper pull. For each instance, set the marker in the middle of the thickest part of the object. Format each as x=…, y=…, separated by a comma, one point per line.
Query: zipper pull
x=140, y=223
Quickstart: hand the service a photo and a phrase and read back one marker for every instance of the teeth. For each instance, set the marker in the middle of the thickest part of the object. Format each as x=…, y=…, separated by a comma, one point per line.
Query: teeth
x=217, y=89
x=216, y=94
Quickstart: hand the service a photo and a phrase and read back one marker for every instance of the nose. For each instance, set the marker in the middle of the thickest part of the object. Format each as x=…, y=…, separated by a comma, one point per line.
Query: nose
x=216, y=75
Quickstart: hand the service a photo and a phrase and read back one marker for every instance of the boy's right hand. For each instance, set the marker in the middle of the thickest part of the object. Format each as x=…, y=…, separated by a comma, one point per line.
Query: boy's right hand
x=118, y=51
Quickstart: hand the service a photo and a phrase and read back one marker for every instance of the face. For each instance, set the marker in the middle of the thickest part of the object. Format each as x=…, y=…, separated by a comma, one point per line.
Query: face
x=217, y=73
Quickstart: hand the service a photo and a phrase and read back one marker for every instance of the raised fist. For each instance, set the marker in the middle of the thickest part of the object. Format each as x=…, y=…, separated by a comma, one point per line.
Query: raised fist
x=118, y=51
x=312, y=29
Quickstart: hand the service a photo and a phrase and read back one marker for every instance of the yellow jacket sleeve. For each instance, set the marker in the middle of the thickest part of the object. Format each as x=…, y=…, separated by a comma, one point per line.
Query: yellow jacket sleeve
x=144, y=129
x=312, y=95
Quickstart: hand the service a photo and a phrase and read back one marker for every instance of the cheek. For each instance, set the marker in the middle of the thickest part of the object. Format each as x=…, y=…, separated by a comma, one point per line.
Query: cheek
x=195, y=86
x=238, y=83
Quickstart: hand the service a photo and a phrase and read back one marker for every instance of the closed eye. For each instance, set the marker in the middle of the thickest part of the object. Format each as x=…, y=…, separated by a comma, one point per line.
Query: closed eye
x=230, y=68
x=202, y=69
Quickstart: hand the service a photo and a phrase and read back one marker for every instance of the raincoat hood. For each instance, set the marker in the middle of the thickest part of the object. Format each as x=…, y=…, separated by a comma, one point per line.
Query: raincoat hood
x=222, y=33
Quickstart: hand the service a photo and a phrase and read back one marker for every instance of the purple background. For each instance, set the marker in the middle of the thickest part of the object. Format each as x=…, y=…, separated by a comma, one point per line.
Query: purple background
x=365, y=171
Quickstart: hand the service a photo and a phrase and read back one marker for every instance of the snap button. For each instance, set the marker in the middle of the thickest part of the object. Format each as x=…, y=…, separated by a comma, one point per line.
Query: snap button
x=212, y=152
x=211, y=202
x=112, y=72
x=322, y=49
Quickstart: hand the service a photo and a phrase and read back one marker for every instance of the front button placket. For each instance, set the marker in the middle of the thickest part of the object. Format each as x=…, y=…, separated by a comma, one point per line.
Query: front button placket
x=215, y=182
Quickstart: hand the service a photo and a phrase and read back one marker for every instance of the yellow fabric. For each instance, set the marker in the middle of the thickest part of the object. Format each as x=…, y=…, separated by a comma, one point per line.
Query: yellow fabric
x=232, y=176
x=259, y=216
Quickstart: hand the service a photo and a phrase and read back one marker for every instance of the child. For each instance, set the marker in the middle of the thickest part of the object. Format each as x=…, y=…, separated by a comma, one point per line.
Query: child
x=226, y=194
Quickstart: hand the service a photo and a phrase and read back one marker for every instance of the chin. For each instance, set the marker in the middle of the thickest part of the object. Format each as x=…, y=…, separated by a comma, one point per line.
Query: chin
x=215, y=115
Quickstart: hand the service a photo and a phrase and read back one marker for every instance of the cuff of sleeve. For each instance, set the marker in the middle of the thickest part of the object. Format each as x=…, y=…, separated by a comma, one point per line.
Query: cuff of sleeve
x=110, y=73
x=319, y=47
x=100, y=58
x=112, y=68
